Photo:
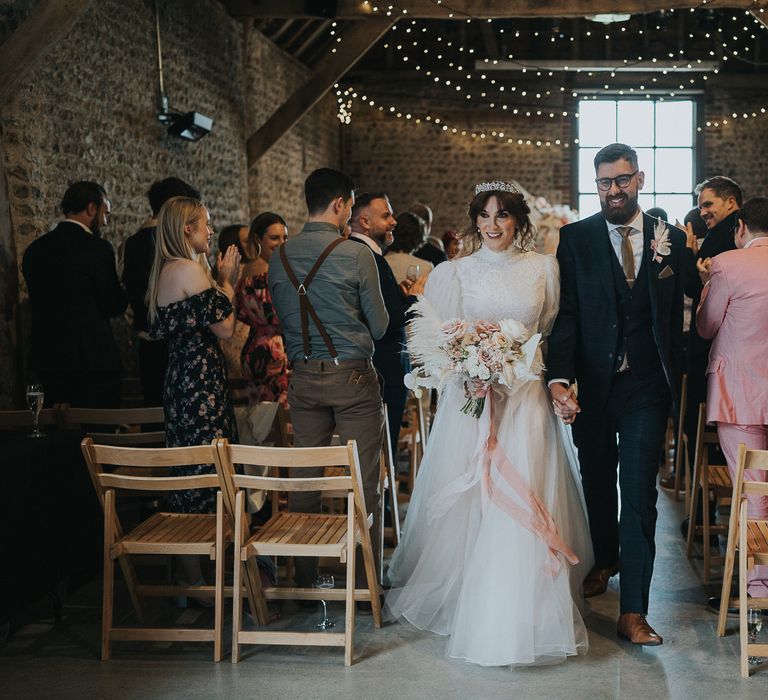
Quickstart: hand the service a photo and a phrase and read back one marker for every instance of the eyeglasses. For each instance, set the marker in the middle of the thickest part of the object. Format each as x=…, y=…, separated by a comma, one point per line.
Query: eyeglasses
x=605, y=183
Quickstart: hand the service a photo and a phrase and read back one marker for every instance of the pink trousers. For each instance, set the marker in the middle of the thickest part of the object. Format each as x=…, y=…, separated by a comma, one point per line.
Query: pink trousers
x=755, y=437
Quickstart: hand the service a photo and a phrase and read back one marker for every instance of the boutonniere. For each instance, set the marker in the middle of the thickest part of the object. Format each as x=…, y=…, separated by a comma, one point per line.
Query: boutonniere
x=660, y=243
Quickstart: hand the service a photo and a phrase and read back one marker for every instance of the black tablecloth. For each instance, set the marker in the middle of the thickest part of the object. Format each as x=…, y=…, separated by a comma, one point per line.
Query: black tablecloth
x=51, y=525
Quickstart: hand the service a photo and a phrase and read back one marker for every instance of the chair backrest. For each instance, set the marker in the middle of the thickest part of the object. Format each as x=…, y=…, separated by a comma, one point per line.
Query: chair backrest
x=121, y=426
x=756, y=460
x=96, y=456
x=12, y=420
x=294, y=458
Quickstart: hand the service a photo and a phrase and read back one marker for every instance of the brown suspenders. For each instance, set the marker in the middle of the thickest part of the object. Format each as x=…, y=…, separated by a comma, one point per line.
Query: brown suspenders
x=305, y=307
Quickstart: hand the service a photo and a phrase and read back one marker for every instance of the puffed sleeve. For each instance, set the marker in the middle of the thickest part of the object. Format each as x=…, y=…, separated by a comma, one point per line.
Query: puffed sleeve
x=443, y=291
x=551, y=295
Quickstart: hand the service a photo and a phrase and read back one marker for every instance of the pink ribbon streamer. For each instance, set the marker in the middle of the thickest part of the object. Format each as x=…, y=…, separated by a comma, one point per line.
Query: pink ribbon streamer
x=534, y=517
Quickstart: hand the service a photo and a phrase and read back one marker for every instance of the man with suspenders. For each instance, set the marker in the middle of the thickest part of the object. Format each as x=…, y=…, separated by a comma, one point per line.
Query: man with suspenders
x=326, y=292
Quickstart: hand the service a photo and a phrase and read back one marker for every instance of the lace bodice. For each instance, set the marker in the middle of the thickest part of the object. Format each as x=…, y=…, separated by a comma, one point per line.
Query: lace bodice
x=492, y=286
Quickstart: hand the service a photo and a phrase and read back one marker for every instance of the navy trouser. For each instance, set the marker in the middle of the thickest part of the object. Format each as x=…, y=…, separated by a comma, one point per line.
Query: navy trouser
x=636, y=413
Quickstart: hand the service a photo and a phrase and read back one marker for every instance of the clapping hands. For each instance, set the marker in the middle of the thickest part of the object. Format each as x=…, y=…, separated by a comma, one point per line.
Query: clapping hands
x=229, y=266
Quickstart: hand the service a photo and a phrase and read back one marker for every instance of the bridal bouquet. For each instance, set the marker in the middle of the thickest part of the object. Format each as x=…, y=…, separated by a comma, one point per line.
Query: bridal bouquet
x=482, y=354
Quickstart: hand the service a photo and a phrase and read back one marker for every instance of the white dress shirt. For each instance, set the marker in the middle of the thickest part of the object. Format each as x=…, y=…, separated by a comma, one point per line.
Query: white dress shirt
x=373, y=245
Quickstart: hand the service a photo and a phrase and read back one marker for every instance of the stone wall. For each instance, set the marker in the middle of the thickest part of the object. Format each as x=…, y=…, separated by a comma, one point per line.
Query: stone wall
x=420, y=162
x=738, y=149
x=89, y=112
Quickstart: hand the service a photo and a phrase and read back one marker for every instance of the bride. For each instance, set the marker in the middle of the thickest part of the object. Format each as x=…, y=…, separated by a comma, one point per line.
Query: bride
x=480, y=568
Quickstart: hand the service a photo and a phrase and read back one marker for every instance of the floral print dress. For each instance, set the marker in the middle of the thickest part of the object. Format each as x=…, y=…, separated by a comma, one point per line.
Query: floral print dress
x=195, y=401
x=264, y=360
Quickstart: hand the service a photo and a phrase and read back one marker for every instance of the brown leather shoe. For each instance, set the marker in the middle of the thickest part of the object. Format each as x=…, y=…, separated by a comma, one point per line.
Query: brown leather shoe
x=635, y=628
x=597, y=580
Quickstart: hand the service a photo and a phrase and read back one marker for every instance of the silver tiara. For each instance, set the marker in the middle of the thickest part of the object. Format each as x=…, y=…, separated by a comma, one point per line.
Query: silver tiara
x=496, y=186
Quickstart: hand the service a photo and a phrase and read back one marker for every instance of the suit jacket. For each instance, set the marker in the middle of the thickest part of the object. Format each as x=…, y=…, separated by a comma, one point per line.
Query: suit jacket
x=718, y=240
x=585, y=337
x=388, y=356
x=138, y=254
x=734, y=312
x=431, y=253
x=73, y=291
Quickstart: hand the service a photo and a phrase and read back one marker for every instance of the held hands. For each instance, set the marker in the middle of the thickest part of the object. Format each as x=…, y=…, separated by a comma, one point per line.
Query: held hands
x=564, y=402
x=705, y=269
x=229, y=266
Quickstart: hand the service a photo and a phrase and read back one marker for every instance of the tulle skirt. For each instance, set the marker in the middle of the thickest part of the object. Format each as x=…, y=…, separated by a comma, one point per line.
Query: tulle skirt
x=466, y=569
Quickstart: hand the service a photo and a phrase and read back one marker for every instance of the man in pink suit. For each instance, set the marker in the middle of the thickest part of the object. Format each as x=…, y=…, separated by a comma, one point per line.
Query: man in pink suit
x=734, y=312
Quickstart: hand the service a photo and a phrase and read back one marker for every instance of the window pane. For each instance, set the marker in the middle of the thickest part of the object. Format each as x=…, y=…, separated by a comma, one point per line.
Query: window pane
x=588, y=204
x=597, y=122
x=674, y=170
x=636, y=123
x=674, y=123
x=587, y=170
x=676, y=205
x=646, y=201
x=646, y=163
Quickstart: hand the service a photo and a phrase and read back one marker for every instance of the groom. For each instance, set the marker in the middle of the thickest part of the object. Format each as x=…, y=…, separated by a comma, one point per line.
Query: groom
x=619, y=336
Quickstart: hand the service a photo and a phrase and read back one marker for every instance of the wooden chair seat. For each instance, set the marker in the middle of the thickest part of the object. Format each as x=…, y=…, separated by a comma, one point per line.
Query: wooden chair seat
x=720, y=481
x=747, y=539
x=172, y=533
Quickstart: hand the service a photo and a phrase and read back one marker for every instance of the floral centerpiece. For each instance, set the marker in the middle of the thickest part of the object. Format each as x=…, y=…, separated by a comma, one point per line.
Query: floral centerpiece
x=482, y=354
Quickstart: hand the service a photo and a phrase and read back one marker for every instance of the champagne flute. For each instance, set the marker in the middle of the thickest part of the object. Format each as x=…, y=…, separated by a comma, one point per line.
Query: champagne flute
x=754, y=625
x=412, y=273
x=35, y=396
x=325, y=582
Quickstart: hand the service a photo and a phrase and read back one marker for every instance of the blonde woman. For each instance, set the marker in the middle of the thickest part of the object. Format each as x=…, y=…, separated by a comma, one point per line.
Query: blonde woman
x=191, y=310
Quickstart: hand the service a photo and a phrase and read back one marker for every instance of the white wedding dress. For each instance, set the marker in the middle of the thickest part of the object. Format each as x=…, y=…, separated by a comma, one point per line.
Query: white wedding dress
x=464, y=567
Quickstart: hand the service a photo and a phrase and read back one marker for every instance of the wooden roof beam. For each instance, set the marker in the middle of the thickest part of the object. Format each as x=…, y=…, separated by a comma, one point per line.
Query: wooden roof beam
x=46, y=25
x=360, y=37
x=482, y=9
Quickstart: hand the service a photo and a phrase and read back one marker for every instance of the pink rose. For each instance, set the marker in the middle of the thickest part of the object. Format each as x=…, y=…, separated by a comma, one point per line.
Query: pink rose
x=486, y=327
x=451, y=330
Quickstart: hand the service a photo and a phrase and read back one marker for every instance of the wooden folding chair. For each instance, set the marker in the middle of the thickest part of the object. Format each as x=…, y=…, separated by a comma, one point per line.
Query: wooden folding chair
x=681, y=449
x=120, y=427
x=750, y=537
x=17, y=420
x=715, y=483
x=300, y=534
x=161, y=533
x=388, y=486
x=411, y=439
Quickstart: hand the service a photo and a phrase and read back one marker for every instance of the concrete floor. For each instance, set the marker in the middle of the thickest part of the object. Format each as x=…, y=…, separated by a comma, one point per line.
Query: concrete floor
x=41, y=660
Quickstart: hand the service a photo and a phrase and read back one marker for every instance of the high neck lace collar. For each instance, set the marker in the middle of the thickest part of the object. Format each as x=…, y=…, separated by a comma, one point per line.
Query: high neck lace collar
x=487, y=255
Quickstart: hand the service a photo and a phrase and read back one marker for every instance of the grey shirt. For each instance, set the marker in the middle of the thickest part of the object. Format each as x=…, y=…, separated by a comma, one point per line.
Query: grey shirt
x=345, y=293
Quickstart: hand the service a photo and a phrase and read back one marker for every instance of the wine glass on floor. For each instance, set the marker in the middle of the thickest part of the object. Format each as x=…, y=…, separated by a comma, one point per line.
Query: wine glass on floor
x=35, y=398
x=754, y=625
x=325, y=582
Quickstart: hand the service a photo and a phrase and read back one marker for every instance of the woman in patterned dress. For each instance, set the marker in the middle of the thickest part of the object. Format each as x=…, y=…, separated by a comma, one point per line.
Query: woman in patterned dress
x=191, y=310
x=263, y=357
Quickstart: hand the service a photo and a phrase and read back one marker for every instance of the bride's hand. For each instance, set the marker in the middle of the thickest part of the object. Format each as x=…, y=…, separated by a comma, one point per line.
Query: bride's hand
x=564, y=402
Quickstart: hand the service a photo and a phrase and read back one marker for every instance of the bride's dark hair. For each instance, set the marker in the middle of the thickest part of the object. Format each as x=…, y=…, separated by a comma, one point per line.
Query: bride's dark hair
x=514, y=203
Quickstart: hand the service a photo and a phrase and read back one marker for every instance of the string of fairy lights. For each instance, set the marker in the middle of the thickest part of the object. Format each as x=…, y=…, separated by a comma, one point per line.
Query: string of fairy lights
x=460, y=74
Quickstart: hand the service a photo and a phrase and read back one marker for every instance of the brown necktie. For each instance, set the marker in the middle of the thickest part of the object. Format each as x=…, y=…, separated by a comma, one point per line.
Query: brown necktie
x=627, y=255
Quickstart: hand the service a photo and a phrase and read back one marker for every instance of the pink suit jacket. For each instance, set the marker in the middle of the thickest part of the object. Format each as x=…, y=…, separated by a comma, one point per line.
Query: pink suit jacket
x=734, y=312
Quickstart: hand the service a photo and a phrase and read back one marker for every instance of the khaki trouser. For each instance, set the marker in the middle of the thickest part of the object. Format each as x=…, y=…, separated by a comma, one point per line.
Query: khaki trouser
x=345, y=399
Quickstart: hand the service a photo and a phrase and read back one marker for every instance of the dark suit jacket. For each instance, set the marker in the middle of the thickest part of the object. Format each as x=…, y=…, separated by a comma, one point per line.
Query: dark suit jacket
x=585, y=338
x=718, y=240
x=138, y=254
x=431, y=253
x=388, y=355
x=73, y=291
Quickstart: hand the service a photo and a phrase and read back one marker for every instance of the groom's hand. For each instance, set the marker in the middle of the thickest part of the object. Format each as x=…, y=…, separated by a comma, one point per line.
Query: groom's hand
x=564, y=402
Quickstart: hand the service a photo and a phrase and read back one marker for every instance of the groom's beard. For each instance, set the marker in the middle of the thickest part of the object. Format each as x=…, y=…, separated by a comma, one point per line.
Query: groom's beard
x=622, y=214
